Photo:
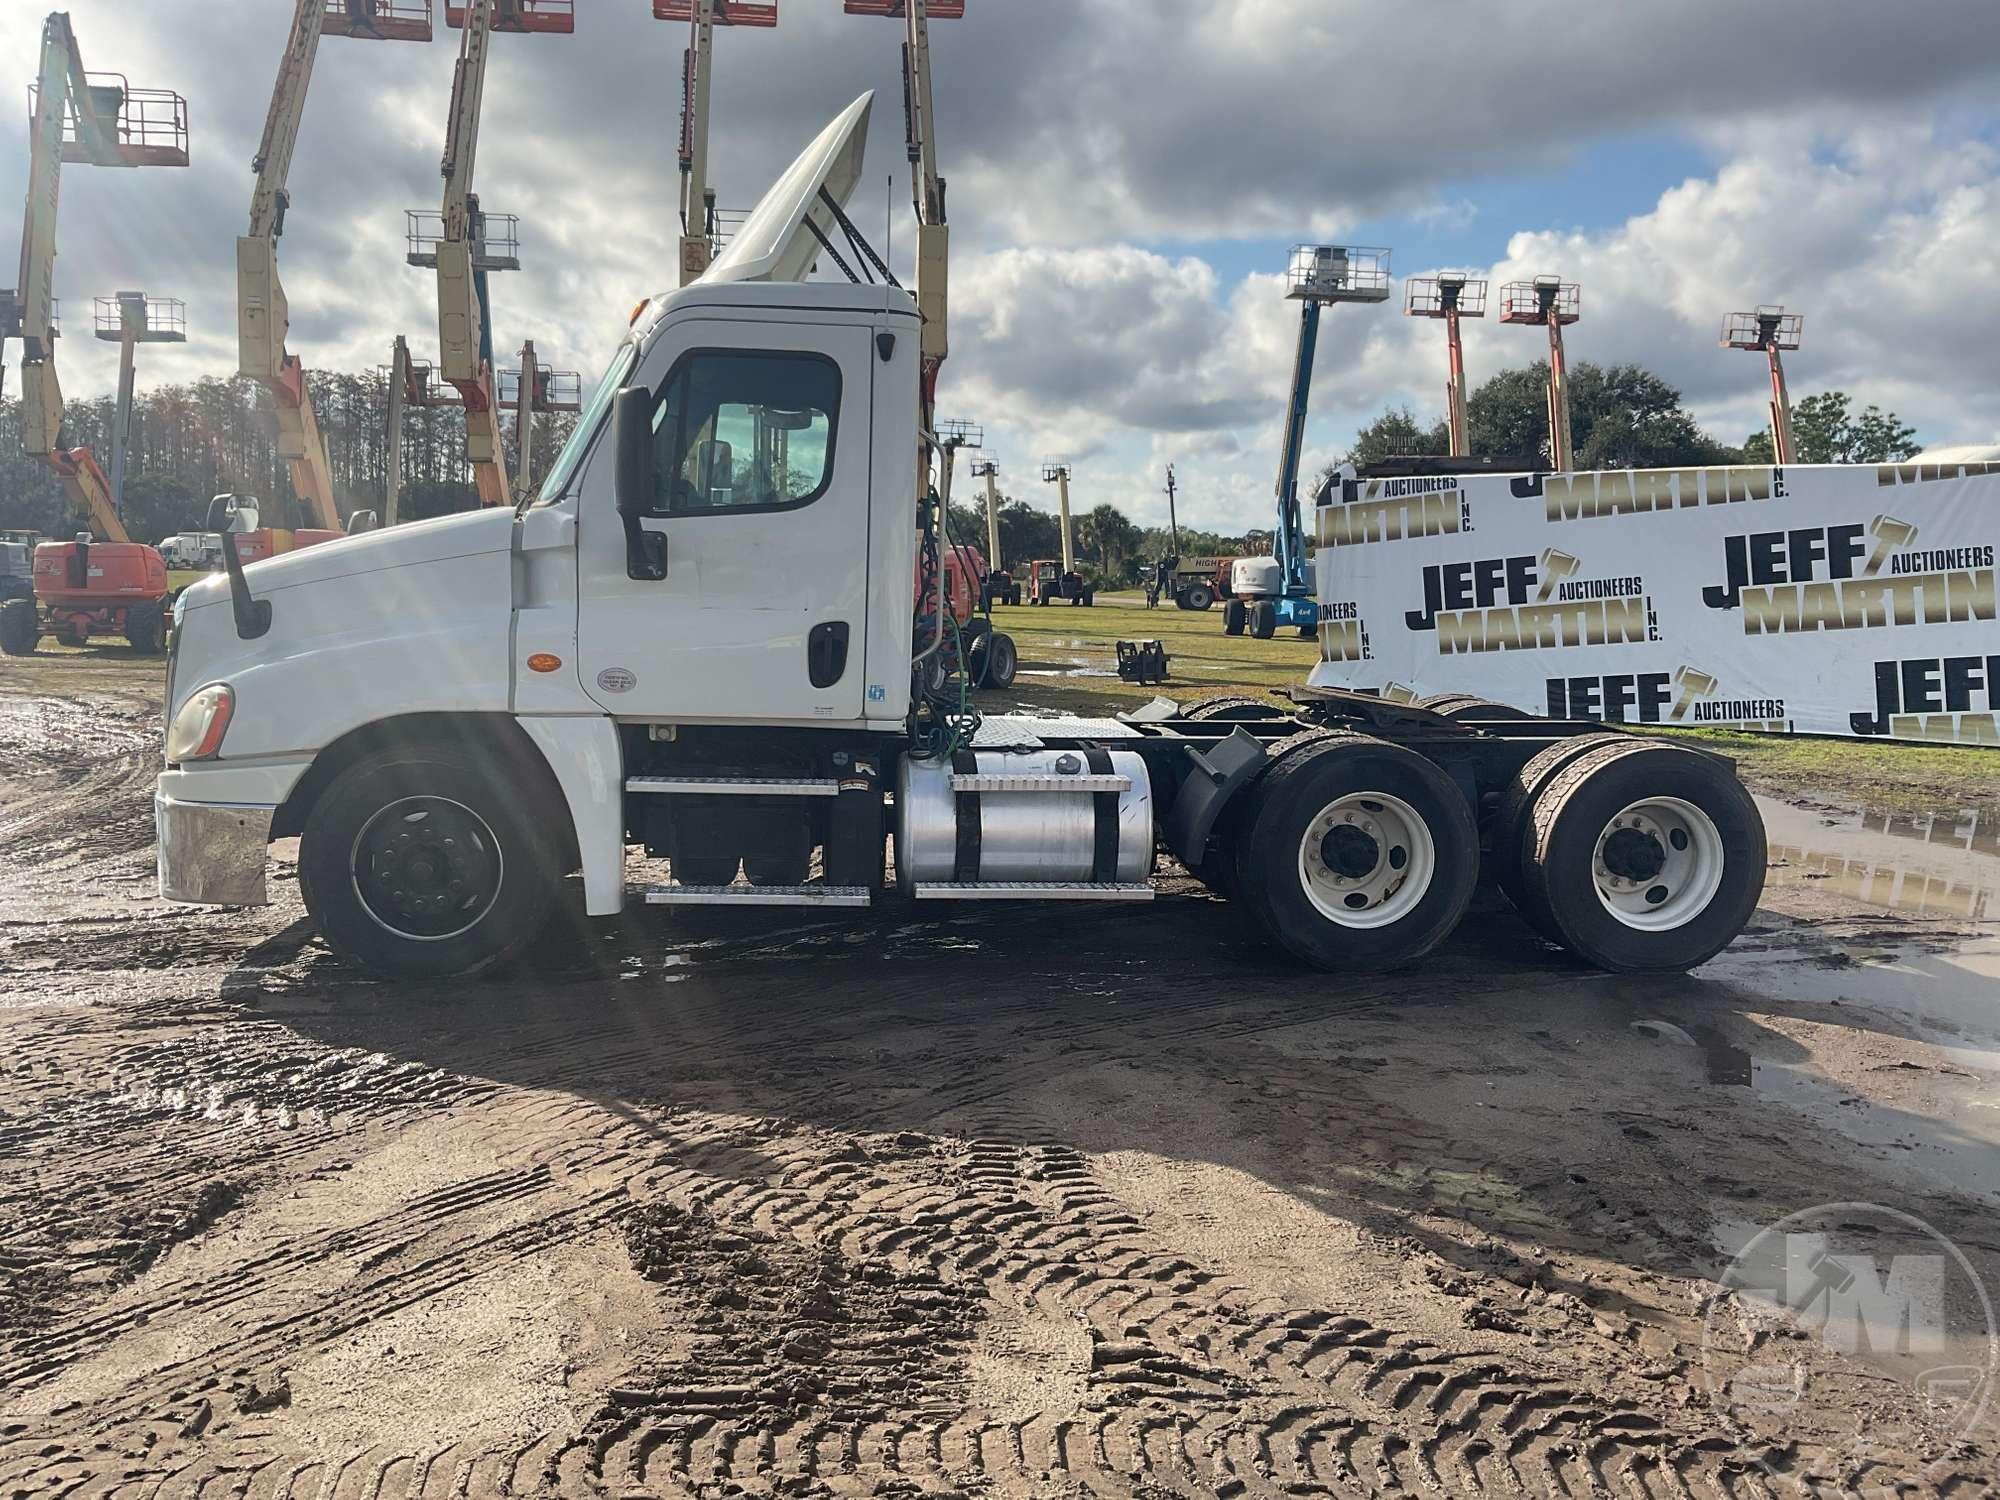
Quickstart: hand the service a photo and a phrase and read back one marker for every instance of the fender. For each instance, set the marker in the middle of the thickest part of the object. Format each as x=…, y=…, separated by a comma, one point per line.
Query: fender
x=589, y=765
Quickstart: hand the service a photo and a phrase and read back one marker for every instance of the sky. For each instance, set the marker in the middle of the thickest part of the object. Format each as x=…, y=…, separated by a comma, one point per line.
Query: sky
x=1125, y=180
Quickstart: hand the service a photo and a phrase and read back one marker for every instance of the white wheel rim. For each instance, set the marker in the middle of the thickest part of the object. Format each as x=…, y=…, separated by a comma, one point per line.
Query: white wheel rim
x=1354, y=886
x=1687, y=847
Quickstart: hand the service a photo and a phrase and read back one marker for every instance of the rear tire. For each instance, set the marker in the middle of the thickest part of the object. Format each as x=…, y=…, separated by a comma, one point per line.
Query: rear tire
x=1199, y=597
x=20, y=627
x=1510, y=821
x=1642, y=858
x=1467, y=708
x=1232, y=617
x=1003, y=659
x=1231, y=710
x=424, y=861
x=1357, y=854
x=145, y=628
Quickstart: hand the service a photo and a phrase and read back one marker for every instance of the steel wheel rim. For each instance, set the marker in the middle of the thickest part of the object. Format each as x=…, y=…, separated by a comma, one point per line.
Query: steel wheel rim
x=1691, y=860
x=427, y=869
x=1352, y=886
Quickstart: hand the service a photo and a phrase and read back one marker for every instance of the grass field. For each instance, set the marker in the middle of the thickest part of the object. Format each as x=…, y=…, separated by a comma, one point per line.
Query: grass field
x=1069, y=661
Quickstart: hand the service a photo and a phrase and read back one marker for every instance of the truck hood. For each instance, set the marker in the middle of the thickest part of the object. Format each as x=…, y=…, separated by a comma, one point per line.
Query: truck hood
x=466, y=534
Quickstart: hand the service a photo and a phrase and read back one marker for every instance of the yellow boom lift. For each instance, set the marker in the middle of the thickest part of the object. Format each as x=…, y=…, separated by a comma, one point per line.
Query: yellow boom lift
x=262, y=316
x=102, y=582
x=96, y=119
x=700, y=229
x=926, y=186
x=463, y=244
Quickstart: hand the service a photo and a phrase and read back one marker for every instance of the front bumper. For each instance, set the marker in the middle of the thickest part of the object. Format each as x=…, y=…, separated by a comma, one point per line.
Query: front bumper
x=212, y=853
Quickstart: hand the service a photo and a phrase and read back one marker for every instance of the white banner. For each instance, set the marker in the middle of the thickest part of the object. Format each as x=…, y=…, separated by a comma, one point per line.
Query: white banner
x=1813, y=600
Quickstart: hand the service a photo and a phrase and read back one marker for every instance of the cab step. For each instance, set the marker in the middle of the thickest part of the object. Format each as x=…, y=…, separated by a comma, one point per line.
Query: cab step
x=1031, y=890
x=736, y=786
x=758, y=895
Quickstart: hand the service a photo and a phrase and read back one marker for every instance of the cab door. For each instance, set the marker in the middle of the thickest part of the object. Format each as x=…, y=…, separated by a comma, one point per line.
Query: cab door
x=761, y=462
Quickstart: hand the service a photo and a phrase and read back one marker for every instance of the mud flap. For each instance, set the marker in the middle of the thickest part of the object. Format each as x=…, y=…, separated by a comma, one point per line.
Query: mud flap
x=1212, y=780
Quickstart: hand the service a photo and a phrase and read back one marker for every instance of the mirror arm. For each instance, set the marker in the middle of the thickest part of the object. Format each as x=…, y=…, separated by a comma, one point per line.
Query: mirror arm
x=645, y=552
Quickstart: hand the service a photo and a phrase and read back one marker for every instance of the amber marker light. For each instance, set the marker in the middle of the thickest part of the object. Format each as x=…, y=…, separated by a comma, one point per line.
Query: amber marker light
x=542, y=661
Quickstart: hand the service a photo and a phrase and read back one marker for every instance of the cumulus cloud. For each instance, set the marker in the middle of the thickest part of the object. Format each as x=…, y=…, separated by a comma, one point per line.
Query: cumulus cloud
x=1854, y=182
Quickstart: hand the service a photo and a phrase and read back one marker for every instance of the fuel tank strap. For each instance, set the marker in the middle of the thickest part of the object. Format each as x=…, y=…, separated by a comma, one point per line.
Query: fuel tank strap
x=1104, y=805
x=965, y=806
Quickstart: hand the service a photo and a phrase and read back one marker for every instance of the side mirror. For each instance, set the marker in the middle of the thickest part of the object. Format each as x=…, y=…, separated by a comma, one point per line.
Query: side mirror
x=360, y=521
x=632, y=443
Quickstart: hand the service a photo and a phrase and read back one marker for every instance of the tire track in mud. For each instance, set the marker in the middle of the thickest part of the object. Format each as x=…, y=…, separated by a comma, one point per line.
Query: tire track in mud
x=856, y=1166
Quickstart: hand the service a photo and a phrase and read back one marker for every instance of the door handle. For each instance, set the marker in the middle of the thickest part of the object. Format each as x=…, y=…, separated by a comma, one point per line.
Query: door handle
x=826, y=653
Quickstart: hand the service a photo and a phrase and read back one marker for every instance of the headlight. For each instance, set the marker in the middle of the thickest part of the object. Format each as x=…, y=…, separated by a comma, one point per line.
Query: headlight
x=197, y=730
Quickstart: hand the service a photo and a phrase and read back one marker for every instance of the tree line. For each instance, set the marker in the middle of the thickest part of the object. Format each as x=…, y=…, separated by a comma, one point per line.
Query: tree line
x=219, y=436
x=189, y=443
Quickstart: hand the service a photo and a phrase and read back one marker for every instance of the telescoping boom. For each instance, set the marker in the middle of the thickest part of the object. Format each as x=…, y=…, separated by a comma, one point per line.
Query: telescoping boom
x=99, y=120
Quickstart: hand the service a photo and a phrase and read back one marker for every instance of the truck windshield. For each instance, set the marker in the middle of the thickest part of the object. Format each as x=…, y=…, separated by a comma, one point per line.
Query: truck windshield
x=587, y=424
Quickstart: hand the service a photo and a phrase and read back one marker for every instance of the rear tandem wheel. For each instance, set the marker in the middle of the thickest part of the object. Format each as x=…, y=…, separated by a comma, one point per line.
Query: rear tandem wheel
x=1355, y=853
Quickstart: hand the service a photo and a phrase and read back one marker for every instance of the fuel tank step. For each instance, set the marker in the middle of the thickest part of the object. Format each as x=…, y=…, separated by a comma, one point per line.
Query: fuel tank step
x=1030, y=890
x=757, y=895
x=736, y=786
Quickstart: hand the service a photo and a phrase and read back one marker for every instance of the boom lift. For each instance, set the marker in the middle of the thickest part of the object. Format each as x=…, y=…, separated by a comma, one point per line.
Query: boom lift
x=410, y=383
x=1045, y=581
x=700, y=229
x=466, y=246
x=263, y=317
x=128, y=320
x=533, y=391
x=998, y=587
x=103, y=581
x=926, y=186
x=1268, y=592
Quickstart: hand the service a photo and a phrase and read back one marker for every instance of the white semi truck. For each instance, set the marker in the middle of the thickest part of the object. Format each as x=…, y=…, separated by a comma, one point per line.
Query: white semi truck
x=698, y=637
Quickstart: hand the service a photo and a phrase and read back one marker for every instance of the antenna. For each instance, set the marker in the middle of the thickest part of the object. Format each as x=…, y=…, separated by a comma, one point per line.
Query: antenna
x=1550, y=302
x=1449, y=295
x=1770, y=329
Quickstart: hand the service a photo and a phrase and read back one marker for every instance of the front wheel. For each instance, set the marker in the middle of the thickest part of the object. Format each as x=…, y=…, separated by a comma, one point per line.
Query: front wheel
x=1262, y=619
x=423, y=861
x=20, y=627
x=1232, y=617
x=1642, y=857
x=1357, y=854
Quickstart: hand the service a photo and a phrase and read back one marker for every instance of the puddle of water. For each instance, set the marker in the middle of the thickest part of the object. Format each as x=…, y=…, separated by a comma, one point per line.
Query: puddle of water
x=1941, y=864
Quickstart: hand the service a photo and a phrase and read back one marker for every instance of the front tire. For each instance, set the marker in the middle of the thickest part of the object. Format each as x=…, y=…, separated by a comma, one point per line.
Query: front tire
x=1262, y=619
x=1642, y=858
x=1357, y=854
x=425, y=861
x=1233, y=617
x=20, y=627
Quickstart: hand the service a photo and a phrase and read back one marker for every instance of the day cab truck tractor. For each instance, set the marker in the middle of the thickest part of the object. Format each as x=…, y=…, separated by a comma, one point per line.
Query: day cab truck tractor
x=454, y=716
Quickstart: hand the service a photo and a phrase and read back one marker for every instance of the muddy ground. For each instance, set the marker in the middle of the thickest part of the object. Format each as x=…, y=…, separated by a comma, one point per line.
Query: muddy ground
x=1009, y=1202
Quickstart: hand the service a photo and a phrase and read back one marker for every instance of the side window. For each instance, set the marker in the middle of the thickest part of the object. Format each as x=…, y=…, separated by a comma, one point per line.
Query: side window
x=735, y=432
